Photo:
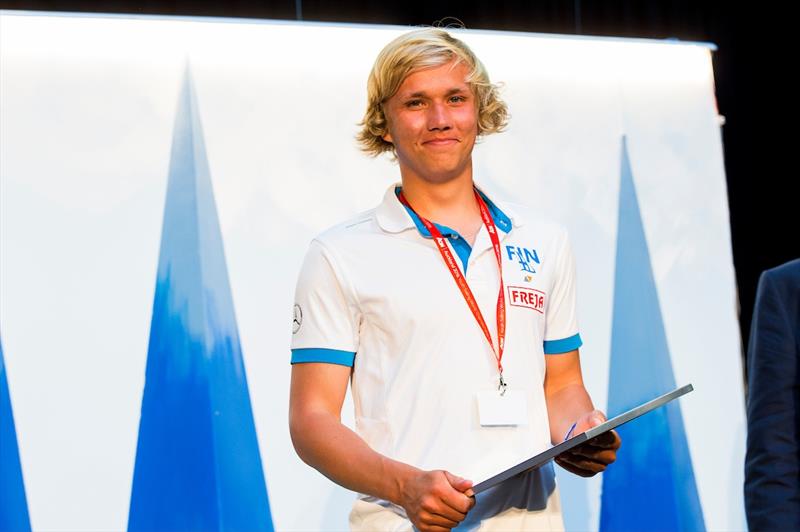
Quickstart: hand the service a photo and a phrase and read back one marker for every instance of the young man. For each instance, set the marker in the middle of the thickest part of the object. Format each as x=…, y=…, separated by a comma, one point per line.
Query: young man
x=452, y=315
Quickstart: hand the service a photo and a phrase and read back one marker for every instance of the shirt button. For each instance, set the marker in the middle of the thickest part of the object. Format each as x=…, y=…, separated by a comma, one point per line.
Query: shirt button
x=455, y=237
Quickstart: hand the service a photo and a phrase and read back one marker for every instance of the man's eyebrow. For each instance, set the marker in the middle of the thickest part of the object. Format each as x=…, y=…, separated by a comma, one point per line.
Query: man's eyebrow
x=423, y=94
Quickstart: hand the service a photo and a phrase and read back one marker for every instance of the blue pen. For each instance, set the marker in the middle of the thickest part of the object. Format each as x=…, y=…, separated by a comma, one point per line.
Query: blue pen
x=569, y=432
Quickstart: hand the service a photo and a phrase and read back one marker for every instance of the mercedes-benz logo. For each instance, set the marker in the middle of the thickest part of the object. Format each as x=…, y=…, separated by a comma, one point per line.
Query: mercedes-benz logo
x=298, y=318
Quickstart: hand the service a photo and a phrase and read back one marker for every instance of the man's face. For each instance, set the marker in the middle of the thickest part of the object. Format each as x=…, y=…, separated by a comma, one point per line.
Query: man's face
x=432, y=122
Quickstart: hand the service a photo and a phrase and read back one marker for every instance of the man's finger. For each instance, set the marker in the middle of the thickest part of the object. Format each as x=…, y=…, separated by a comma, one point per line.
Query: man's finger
x=437, y=528
x=458, y=502
x=597, y=417
x=572, y=469
x=458, y=483
x=596, y=454
x=433, y=519
x=446, y=511
x=583, y=463
x=608, y=439
x=455, y=498
x=579, y=459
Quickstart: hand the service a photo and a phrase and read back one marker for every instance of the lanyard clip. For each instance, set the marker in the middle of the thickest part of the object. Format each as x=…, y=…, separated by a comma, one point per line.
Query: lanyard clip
x=502, y=386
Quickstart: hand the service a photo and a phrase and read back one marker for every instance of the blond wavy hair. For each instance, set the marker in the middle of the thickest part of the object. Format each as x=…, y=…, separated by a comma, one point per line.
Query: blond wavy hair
x=417, y=50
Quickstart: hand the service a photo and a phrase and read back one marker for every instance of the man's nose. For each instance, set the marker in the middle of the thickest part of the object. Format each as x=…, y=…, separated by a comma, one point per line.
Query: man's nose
x=438, y=117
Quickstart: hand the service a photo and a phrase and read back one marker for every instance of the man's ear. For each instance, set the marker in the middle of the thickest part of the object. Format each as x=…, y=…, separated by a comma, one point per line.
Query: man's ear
x=388, y=137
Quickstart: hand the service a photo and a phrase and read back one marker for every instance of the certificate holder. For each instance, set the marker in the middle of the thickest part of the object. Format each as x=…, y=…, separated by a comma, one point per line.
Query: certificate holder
x=544, y=457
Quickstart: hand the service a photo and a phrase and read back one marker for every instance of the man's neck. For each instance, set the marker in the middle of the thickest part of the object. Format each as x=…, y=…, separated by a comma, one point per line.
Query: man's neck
x=451, y=203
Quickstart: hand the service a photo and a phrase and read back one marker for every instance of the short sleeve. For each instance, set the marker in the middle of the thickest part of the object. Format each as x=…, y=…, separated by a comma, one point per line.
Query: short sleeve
x=325, y=315
x=561, y=320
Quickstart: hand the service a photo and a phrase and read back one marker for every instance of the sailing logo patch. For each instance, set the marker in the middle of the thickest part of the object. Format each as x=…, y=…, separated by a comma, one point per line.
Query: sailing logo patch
x=520, y=296
x=527, y=258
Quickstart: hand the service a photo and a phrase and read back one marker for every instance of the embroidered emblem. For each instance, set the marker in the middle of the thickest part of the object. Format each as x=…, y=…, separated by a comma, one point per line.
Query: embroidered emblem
x=297, y=321
x=520, y=296
x=526, y=257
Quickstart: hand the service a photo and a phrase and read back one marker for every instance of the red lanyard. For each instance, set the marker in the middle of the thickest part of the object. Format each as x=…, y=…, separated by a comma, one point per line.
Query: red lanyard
x=466, y=292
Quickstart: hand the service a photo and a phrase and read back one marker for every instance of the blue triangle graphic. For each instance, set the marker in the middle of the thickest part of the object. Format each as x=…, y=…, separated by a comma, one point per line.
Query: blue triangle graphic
x=13, y=504
x=651, y=486
x=198, y=465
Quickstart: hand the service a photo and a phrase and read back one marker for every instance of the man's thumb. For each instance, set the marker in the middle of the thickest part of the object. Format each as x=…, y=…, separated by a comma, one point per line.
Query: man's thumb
x=458, y=483
x=597, y=418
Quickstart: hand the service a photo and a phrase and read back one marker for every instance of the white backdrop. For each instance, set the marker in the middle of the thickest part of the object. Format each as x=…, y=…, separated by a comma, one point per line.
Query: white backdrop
x=86, y=112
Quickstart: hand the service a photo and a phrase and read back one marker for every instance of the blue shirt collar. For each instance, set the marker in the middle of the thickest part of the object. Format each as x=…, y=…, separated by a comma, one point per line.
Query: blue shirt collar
x=499, y=218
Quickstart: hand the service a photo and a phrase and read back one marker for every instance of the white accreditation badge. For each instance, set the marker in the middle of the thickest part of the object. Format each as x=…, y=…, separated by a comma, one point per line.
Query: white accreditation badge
x=509, y=409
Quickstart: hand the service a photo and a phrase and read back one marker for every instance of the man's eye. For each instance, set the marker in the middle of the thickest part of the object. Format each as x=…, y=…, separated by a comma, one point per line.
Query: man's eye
x=413, y=103
x=457, y=99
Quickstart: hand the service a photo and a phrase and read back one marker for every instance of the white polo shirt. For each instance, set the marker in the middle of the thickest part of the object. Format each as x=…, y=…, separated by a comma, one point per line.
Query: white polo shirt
x=374, y=294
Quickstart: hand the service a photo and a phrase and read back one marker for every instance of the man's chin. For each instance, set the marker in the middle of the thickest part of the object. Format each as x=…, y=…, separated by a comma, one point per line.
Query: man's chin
x=442, y=176
x=441, y=173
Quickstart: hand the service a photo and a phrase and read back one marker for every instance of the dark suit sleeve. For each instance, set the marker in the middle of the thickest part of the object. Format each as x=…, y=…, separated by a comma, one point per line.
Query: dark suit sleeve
x=772, y=466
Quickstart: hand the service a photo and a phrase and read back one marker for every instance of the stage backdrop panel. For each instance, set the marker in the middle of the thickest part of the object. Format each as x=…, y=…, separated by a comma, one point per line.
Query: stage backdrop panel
x=617, y=139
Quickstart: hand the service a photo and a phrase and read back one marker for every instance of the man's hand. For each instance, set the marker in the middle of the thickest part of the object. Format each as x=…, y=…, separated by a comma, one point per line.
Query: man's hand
x=596, y=454
x=435, y=500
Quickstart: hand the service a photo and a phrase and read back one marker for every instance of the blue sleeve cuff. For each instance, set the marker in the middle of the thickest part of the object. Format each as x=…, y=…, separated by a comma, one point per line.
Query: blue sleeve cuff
x=565, y=345
x=329, y=356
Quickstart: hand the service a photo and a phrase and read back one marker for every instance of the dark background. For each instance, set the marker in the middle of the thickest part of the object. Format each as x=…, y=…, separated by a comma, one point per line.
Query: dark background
x=752, y=65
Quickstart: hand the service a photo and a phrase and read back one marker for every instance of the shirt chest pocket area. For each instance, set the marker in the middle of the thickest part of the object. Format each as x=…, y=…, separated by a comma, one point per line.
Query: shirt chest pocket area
x=419, y=293
x=525, y=309
x=410, y=303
